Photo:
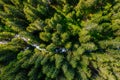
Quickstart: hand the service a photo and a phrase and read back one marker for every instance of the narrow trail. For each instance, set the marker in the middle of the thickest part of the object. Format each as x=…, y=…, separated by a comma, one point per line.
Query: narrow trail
x=33, y=45
x=3, y=42
x=58, y=50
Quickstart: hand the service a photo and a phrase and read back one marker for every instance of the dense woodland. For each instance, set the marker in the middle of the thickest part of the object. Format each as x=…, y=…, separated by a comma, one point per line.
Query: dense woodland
x=76, y=40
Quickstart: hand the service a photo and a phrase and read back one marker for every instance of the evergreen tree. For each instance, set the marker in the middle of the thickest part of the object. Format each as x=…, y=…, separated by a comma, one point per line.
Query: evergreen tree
x=59, y=39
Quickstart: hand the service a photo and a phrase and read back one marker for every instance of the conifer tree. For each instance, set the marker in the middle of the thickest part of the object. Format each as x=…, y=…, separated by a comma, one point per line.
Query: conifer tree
x=59, y=39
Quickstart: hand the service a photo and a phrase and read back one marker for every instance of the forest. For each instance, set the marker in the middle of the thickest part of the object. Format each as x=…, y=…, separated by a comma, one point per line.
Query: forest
x=59, y=39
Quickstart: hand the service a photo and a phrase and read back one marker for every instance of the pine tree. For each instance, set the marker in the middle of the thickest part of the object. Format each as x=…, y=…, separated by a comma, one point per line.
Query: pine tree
x=59, y=39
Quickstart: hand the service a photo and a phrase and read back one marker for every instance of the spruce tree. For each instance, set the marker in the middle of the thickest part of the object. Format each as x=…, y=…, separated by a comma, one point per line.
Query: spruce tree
x=59, y=39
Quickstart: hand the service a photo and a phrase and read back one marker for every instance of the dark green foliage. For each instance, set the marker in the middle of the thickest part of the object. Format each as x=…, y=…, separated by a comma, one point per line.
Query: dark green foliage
x=59, y=39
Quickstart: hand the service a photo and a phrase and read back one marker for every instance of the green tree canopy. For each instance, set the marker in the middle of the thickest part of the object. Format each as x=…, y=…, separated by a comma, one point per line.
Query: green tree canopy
x=59, y=39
